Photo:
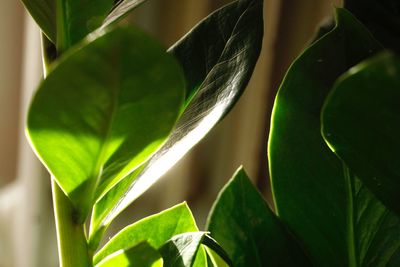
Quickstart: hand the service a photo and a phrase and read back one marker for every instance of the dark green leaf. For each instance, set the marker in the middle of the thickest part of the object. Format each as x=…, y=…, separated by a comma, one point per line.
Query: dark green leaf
x=247, y=229
x=181, y=250
x=338, y=220
x=156, y=230
x=361, y=123
x=141, y=255
x=381, y=17
x=76, y=19
x=103, y=110
x=211, y=243
x=43, y=12
x=121, y=10
x=218, y=57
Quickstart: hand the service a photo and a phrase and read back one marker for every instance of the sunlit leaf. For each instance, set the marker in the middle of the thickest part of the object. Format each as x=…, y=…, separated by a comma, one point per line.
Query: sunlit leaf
x=247, y=229
x=141, y=255
x=156, y=230
x=218, y=57
x=339, y=221
x=361, y=123
x=103, y=110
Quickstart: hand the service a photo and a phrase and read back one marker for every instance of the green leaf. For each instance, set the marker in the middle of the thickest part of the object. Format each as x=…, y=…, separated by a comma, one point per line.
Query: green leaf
x=218, y=57
x=156, y=230
x=339, y=221
x=181, y=250
x=121, y=10
x=381, y=17
x=361, y=123
x=76, y=19
x=103, y=110
x=247, y=229
x=141, y=255
x=43, y=12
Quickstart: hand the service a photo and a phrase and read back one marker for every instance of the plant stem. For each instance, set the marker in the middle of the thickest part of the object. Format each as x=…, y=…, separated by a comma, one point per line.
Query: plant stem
x=62, y=40
x=72, y=244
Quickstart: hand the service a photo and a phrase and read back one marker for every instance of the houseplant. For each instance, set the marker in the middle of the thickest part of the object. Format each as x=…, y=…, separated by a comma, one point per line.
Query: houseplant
x=116, y=110
x=335, y=199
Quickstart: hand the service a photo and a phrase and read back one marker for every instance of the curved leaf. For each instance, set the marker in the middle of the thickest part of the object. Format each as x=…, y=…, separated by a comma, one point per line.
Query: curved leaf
x=155, y=229
x=69, y=22
x=121, y=10
x=103, y=110
x=181, y=250
x=141, y=255
x=247, y=229
x=79, y=18
x=218, y=57
x=338, y=220
x=361, y=123
x=44, y=13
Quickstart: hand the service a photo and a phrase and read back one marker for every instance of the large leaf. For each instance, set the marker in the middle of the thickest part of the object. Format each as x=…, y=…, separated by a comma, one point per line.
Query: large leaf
x=141, y=255
x=218, y=57
x=181, y=250
x=247, y=229
x=156, y=230
x=361, y=123
x=339, y=222
x=103, y=110
x=44, y=13
x=381, y=17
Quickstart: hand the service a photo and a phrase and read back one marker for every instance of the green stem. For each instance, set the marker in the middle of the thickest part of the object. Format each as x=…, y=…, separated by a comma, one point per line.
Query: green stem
x=72, y=244
x=62, y=42
x=351, y=242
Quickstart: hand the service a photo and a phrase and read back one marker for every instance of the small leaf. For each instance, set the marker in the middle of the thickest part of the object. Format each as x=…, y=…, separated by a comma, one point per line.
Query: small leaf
x=180, y=250
x=246, y=228
x=103, y=110
x=218, y=57
x=155, y=230
x=43, y=12
x=121, y=10
x=141, y=255
x=361, y=123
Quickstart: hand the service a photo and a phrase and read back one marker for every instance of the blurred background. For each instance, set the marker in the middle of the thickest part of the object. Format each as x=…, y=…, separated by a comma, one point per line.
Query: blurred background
x=27, y=232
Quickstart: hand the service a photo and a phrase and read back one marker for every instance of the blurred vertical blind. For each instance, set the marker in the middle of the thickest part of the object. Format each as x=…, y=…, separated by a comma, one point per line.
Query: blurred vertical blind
x=26, y=232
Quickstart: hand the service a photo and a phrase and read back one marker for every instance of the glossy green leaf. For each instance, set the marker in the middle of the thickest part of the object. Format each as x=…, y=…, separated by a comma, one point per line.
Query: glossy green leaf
x=218, y=57
x=156, y=230
x=103, y=110
x=381, y=17
x=212, y=245
x=181, y=250
x=121, y=10
x=361, y=123
x=247, y=229
x=76, y=19
x=43, y=12
x=339, y=221
x=141, y=255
